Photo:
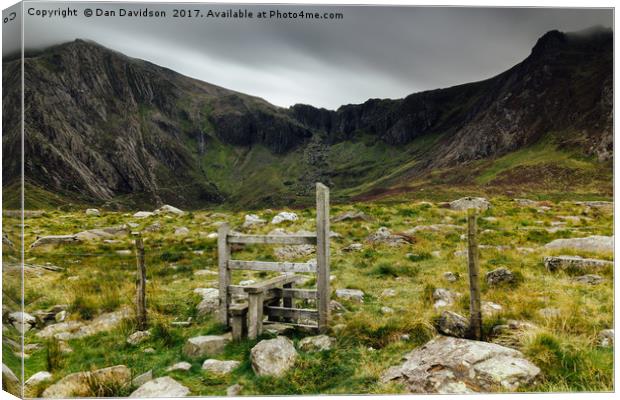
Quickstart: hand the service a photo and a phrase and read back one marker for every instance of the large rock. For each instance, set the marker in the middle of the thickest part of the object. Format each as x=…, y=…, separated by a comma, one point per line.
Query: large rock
x=143, y=214
x=499, y=276
x=351, y=216
x=201, y=346
x=210, y=300
x=575, y=263
x=32, y=384
x=294, y=251
x=219, y=366
x=350, y=294
x=167, y=209
x=444, y=298
x=161, y=387
x=465, y=203
x=142, y=378
x=606, y=338
x=284, y=216
x=253, y=220
x=312, y=344
x=384, y=236
x=93, y=212
x=75, y=329
x=10, y=382
x=86, y=384
x=451, y=365
x=53, y=240
x=138, y=337
x=453, y=324
x=594, y=244
x=22, y=321
x=180, y=366
x=102, y=233
x=273, y=357
x=589, y=279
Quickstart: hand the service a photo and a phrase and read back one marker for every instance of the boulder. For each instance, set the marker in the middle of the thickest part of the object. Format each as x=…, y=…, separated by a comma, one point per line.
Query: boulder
x=53, y=240
x=451, y=365
x=453, y=324
x=93, y=212
x=142, y=378
x=75, y=329
x=589, y=279
x=444, y=298
x=351, y=216
x=234, y=390
x=180, y=366
x=451, y=276
x=86, y=384
x=513, y=325
x=284, y=216
x=479, y=203
x=22, y=321
x=294, y=251
x=181, y=231
x=594, y=244
x=350, y=294
x=201, y=346
x=167, y=209
x=489, y=309
x=387, y=310
x=210, y=300
x=219, y=366
x=138, y=337
x=102, y=233
x=32, y=384
x=253, y=220
x=273, y=357
x=526, y=202
x=336, y=307
x=603, y=205
x=388, y=293
x=435, y=228
x=10, y=383
x=161, y=387
x=312, y=344
x=575, y=263
x=353, y=247
x=154, y=227
x=606, y=338
x=143, y=214
x=384, y=236
x=499, y=276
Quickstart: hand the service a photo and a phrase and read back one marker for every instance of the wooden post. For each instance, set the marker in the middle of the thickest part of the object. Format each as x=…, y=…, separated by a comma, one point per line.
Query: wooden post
x=223, y=254
x=255, y=315
x=475, y=315
x=140, y=285
x=322, y=254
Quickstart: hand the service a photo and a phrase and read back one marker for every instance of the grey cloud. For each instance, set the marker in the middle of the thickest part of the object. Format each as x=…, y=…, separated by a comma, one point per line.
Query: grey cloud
x=372, y=52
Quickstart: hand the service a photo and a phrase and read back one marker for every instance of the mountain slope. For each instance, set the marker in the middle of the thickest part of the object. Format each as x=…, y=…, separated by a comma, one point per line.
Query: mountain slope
x=107, y=129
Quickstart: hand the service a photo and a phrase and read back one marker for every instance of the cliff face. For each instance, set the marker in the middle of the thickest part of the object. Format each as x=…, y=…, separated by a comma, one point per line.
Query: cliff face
x=106, y=128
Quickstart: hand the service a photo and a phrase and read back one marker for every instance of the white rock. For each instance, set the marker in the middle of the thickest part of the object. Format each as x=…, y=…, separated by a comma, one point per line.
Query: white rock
x=387, y=310
x=213, y=235
x=220, y=367
x=181, y=231
x=388, y=293
x=201, y=346
x=606, y=338
x=353, y=247
x=10, y=383
x=350, y=294
x=465, y=203
x=284, y=216
x=143, y=214
x=138, y=337
x=34, y=381
x=161, y=387
x=79, y=384
x=253, y=220
x=234, y=390
x=575, y=263
x=166, y=209
x=592, y=244
x=316, y=343
x=180, y=366
x=273, y=357
x=22, y=321
x=124, y=252
x=247, y=282
x=142, y=378
x=92, y=212
x=451, y=365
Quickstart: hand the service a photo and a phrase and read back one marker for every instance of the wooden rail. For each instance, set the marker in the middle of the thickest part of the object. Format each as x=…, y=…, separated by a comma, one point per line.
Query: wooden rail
x=273, y=239
x=271, y=266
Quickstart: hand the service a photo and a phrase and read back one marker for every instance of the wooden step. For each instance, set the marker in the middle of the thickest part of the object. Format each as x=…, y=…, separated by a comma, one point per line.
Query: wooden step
x=293, y=313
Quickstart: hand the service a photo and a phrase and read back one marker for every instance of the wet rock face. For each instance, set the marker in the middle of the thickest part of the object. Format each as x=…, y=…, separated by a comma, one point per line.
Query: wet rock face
x=451, y=365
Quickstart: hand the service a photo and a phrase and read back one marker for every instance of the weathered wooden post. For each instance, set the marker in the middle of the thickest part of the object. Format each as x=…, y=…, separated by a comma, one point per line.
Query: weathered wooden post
x=223, y=254
x=322, y=254
x=475, y=315
x=140, y=284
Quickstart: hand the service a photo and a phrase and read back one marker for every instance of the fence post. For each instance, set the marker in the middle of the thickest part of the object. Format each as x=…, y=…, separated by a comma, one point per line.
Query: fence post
x=140, y=284
x=223, y=254
x=475, y=315
x=322, y=254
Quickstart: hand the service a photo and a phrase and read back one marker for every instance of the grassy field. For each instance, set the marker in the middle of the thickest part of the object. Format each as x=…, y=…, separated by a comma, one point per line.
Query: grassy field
x=96, y=279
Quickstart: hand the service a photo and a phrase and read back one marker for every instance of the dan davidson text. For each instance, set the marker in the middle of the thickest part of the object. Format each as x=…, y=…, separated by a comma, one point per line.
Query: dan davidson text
x=122, y=12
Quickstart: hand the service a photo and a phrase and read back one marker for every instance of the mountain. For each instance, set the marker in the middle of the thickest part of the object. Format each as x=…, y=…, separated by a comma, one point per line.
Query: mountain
x=103, y=128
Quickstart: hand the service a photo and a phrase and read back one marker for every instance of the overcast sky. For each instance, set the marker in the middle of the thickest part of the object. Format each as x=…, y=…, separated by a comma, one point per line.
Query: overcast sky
x=373, y=52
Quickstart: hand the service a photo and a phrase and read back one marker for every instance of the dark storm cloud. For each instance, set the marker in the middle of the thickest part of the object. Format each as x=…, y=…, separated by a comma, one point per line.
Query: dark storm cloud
x=372, y=52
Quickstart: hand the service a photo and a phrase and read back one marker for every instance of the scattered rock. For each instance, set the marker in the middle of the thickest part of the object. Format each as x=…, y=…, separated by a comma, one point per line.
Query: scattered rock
x=33, y=383
x=387, y=310
x=234, y=390
x=435, y=228
x=154, y=227
x=603, y=205
x=526, y=202
x=575, y=263
x=335, y=306
x=592, y=244
x=124, y=252
x=166, y=209
x=312, y=344
x=10, y=383
x=451, y=276
x=161, y=387
x=273, y=357
x=350, y=294
x=143, y=214
x=61, y=316
x=489, y=308
x=201, y=346
x=353, y=247
x=278, y=329
x=80, y=384
x=53, y=240
x=247, y=282
x=385, y=236
x=7, y=242
x=22, y=321
x=465, y=203
x=388, y=293
x=142, y=378
x=606, y=338
x=253, y=220
x=138, y=337
x=499, y=276
x=102, y=233
x=589, y=279
x=210, y=300
x=284, y=216
x=181, y=231
x=93, y=212
x=149, y=350
x=180, y=366
x=444, y=298
x=220, y=367
x=513, y=325
x=451, y=365
x=453, y=324
x=294, y=251
x=351, y=216
x=75, y=329
x=212, y=235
